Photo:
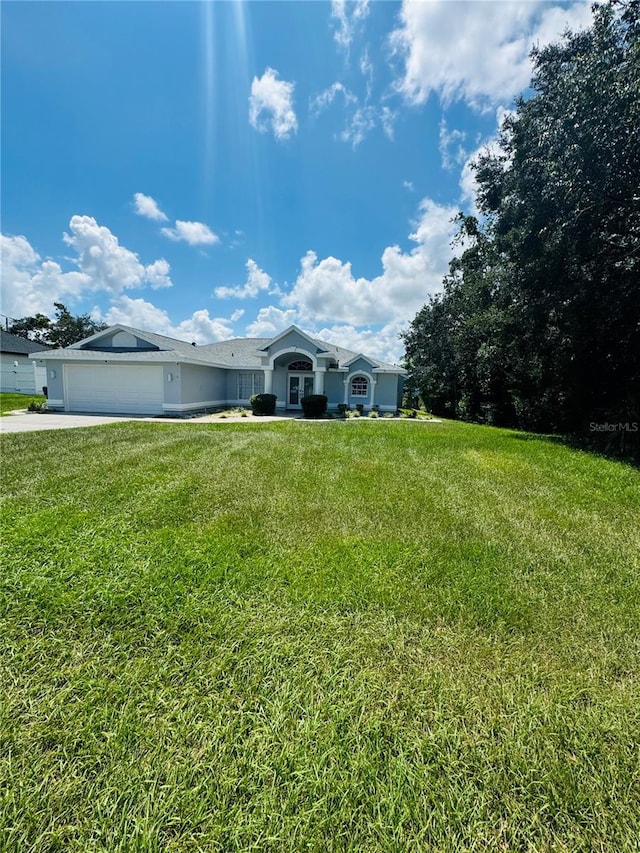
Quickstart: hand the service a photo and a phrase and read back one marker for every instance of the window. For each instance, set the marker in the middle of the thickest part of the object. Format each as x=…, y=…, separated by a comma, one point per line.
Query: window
x=300, y=365
x=359, y=386
x=249, y=384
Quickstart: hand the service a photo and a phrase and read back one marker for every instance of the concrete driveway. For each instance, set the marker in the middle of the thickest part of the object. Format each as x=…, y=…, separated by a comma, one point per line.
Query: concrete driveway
x=36, y=421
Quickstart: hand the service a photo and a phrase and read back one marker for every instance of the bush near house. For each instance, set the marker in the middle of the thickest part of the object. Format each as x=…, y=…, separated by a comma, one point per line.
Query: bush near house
x=263, y=404
x=314, y=405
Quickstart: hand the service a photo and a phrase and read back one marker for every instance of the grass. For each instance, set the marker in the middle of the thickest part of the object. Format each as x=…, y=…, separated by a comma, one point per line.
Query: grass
x=286, y=637
x=10, y=402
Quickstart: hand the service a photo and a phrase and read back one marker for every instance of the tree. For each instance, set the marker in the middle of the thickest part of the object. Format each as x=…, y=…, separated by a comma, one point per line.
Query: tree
x=543, y=305
x=64, y=330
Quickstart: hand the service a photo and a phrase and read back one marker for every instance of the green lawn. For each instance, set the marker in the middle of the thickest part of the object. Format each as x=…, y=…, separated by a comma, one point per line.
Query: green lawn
x=345, y=636
x=11, y=402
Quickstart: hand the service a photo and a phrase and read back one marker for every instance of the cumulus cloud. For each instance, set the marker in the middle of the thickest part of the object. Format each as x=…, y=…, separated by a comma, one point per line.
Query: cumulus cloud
x=481, y=55
x=193, y=233
x=200, y=327
x=31, y=285
x=271, y=105
x=144, y=205
x=257, y=281
x=346, y=17
x=327, y=290
x=270, y=321
x=109, y=265
x=383, y=343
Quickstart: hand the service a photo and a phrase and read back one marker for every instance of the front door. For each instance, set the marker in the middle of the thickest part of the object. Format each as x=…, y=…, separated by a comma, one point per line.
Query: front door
x=299, y=386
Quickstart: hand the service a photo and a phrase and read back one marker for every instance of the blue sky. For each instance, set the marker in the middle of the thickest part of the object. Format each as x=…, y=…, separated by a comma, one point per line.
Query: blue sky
x=212, y=170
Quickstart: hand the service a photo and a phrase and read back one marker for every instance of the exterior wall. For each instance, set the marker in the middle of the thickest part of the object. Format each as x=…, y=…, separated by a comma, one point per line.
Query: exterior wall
x=55, y=390
x=20, y=379
x=198, y=387
x=334, y=387
x=292, y=341
x=387, y=391
x=280, y=379
x=361, y=367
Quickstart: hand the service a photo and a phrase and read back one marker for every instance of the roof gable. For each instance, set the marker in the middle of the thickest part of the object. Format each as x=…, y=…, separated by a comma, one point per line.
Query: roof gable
x=120, y=337
x=297, y=337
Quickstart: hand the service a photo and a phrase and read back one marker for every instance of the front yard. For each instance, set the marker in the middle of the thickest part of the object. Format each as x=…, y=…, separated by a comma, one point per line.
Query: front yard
x=338, y=637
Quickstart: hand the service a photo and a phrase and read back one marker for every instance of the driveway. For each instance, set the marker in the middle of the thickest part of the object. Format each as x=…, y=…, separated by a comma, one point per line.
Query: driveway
x=35, y=421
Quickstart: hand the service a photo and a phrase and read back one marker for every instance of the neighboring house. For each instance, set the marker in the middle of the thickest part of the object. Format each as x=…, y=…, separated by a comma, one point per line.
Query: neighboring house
x=122, y=370
x=19, y=374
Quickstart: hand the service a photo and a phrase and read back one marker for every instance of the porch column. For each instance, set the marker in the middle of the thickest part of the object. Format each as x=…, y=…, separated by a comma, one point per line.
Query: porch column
x=318, y=384
x=268, y=380
x=346, y=391
x=373, y=392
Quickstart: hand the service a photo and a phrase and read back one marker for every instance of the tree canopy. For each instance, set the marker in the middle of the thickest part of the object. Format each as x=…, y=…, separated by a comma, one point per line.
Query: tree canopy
x=64, y=330
x=538, y=323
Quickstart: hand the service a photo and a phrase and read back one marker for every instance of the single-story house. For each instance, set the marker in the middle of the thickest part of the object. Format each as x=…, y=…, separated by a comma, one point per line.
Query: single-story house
x=123, y=370
x=19, y=374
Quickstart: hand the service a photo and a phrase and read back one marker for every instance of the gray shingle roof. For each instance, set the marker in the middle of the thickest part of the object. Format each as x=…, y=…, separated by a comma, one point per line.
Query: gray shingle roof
x=17, y=344
x=236, y=352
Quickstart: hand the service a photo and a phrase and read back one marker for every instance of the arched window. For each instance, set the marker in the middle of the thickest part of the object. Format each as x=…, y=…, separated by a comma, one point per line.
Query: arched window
x=300, y=365
x=359, y=386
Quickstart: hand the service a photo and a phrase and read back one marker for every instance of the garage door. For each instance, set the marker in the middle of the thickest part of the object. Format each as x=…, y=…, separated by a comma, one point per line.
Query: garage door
x=116, y=389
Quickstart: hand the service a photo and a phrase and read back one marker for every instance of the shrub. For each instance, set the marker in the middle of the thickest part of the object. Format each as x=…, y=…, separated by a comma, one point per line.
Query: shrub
x=37, y=406
x=360, y=408
x=263, y=404
x=408, y=413
x=342, y=410
x=314, y=405
x=373, y=414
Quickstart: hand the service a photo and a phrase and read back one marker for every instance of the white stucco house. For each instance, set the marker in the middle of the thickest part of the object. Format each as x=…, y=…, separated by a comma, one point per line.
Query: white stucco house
x=123, y=370
x=19, y=372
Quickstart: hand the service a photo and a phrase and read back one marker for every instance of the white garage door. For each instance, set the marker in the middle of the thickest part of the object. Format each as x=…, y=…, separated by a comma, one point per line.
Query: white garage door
x=130, y=389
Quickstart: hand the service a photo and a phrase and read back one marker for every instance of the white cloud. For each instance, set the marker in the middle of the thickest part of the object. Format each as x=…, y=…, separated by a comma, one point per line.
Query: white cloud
x=193, y=233
x=408, y=185
x=30, y=285
x=200, y=327
x=326, y=290
x=328, y=96
x=452, y=151
x=480, y=54
x=381, y=343
x=158, y=274
x=361, y=123
x=347, y=16
x=146, y=206
x=257, y=281
x=270, y=321
x=271, y=105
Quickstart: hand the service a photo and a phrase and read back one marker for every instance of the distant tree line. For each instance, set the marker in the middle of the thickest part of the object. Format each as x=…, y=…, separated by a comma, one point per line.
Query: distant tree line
x=538, y=322
x=65, y=329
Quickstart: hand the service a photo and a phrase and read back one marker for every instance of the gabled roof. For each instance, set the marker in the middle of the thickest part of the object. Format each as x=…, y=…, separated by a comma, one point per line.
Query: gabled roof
x=238, y=353
x=319, y=344
x=18, y=345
